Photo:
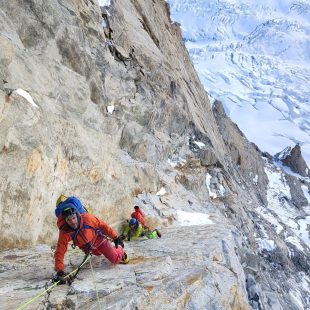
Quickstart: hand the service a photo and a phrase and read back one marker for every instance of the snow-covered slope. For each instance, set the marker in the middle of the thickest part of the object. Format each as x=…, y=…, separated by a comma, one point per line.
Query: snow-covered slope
x=104, y=2
x=254, y=56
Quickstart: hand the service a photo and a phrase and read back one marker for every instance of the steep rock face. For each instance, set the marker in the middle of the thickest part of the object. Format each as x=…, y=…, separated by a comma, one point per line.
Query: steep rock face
x=114, y=124
x=70, y=143
x=243, y=155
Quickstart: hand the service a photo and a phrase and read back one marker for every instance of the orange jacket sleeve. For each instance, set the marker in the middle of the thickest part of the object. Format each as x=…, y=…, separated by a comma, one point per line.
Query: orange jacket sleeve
x=62, y=246
x=109, y=231
x=97, y=223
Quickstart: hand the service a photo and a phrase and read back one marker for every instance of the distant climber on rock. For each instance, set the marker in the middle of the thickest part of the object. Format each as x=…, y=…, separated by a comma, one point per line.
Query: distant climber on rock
x=87, y=232
x=139, y=216
x=133, y=230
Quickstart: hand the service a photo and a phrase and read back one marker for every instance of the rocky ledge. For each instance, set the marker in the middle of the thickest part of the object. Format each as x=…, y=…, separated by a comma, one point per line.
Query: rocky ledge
x=189, y=267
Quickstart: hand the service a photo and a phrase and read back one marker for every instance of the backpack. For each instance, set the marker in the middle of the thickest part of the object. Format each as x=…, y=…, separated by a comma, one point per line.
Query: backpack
x=72, y=201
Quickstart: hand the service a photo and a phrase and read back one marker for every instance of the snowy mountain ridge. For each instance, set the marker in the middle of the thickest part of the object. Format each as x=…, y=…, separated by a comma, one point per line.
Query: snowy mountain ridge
x=254, y=57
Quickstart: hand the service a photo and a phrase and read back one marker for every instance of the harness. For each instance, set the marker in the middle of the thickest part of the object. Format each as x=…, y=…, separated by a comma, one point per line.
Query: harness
x=89, y=245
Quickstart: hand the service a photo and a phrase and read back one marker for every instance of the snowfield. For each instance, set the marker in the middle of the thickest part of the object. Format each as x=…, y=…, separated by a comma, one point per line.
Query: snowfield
x=254, y=56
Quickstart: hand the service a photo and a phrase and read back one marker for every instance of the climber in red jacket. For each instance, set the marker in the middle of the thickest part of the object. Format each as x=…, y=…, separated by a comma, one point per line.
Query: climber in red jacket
x=89, y=234
x=139, y=216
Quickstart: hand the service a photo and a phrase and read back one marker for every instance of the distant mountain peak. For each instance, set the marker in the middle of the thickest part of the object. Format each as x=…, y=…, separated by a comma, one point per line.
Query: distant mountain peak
x=254, y=57
x=293, y=158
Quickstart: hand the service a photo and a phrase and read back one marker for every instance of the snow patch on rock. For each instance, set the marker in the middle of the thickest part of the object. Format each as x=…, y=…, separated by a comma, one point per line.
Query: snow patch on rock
x=179, y=162
x=265, y=244
x=161, y=192
x=208, y=183
x=104, y=2
x=199, y=144
x=25, y=95
x=191, y=219
x=110, y=109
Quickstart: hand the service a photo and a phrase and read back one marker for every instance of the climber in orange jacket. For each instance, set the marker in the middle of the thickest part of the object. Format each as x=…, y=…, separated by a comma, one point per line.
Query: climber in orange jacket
x=89, y=234
x=139, y=216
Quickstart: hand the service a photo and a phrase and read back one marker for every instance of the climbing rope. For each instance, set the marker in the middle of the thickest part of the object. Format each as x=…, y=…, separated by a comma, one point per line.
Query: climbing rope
x=73, y=254
x=95, y=285
x=87, y=256
x=48, y=289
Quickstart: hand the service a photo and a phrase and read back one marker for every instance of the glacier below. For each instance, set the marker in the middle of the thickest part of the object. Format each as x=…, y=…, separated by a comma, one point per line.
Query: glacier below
x=255, y=58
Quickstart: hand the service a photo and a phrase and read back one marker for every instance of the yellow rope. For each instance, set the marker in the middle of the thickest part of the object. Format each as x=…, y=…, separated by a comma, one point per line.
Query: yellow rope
x=94, y=281
x=75, y=253
x=49, y=288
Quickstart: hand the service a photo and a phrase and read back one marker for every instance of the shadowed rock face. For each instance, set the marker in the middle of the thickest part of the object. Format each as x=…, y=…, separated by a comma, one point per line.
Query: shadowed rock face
x=162, y=133
x=292, y=158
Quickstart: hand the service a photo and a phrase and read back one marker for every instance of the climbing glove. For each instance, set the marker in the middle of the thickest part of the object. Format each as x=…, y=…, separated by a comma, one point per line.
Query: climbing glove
x=60, y=277
x=118, y=241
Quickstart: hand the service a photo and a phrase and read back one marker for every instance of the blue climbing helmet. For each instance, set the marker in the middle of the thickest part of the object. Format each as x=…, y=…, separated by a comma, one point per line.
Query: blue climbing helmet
x=133, y=221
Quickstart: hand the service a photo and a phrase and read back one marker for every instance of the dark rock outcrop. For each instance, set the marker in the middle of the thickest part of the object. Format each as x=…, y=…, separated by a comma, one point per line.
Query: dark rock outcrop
x=292, y=158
